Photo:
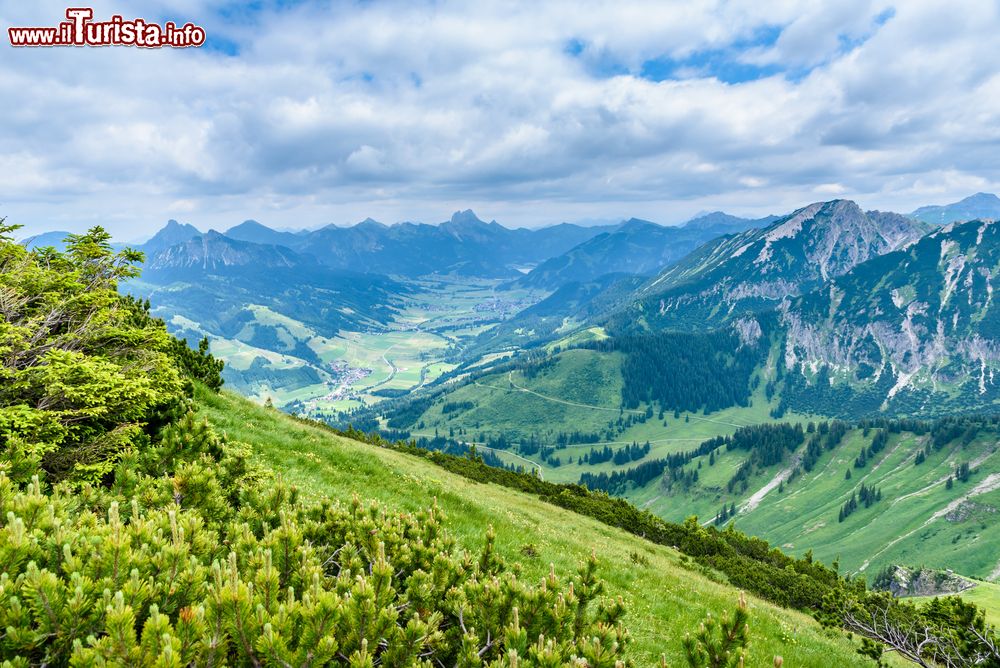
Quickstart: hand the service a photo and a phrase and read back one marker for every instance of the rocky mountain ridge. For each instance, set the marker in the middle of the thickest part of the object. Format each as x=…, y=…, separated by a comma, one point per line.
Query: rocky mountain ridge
x=754, y=270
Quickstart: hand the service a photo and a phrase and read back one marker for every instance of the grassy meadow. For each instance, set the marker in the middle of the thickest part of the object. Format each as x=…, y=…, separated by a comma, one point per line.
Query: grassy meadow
x=662, y=592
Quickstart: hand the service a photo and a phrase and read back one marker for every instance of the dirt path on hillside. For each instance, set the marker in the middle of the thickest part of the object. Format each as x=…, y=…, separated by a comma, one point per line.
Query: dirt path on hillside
x=990, y=483
x=577, y=404
x=941, y=481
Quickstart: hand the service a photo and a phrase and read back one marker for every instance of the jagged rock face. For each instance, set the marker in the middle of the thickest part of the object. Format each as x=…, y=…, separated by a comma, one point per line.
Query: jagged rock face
x=749, y=331
x=924, y=315
x=905, y=581
x=758, y=268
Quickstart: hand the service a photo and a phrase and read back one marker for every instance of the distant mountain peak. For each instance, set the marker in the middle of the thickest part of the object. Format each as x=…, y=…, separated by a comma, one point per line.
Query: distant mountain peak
x=465, y=218
x=248, y=224
x=813, y=244
x=55, y=239
x=173, y=225
x=636, y=223
x=838, y=234
x=258, y=233
x=981, y=198
x=171, y=234
x=980, y=205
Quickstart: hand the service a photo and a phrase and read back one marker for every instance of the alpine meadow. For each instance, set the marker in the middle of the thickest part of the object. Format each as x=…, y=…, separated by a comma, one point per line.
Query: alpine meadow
x=666, y=335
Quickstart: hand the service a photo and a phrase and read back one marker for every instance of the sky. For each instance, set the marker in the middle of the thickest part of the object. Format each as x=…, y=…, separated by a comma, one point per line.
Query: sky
x=302, y=114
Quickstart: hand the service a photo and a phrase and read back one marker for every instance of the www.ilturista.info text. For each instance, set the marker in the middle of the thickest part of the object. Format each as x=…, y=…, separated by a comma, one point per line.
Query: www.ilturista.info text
x=81, y=30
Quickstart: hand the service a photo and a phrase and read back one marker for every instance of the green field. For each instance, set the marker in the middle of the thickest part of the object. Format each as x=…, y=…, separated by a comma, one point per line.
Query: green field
x=663, y=597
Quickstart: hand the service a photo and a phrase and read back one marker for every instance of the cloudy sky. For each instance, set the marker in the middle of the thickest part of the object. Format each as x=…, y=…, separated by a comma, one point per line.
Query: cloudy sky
x=300, y=114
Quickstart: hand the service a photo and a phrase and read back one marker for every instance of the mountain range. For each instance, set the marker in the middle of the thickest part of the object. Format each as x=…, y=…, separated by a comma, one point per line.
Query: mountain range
x=636, y=247
x=858, y=312
x=463, y=245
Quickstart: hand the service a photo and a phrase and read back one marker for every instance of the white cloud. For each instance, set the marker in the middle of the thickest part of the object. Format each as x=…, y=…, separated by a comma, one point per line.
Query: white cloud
x=408, y=111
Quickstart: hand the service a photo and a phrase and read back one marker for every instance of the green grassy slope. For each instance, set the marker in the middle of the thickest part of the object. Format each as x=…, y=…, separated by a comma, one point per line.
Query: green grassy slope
x=919, y=521
x=581, y=390
x=578, y=377
x=664, y=598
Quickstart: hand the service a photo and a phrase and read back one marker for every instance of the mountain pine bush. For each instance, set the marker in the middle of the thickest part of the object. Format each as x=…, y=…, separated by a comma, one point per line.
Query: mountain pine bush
x=92, y=580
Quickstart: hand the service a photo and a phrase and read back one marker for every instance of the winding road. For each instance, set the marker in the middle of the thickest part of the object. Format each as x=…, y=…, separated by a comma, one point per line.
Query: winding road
x=393, y=369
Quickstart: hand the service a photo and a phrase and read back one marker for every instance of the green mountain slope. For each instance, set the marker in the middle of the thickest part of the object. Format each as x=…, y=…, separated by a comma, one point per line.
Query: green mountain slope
x=796, y=502
x=555, y=414
x=662, y=595
x=920, y=520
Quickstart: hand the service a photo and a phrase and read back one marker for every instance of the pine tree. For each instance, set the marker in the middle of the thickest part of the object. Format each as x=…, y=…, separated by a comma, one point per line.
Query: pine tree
x=720, y=644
